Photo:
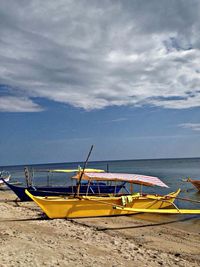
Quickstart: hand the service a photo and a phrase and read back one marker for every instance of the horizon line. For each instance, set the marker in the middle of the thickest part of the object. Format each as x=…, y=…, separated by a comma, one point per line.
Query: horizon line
x=110, y=160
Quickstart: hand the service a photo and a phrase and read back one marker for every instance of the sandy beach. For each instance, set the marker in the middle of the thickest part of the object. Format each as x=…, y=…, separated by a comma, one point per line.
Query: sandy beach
x=28, y=238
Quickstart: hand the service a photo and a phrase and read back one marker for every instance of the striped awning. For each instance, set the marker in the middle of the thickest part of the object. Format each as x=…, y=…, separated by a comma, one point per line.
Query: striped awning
x=126, y=177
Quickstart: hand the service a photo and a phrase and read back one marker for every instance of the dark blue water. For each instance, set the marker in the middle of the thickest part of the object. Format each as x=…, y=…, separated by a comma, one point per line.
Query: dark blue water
x=171, y=171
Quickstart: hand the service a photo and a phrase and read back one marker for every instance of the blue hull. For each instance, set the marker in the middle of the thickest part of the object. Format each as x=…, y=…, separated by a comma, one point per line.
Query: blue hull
x=95, y=188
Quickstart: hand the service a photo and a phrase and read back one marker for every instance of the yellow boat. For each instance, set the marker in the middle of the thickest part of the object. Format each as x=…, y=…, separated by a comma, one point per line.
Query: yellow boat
x=95, y=206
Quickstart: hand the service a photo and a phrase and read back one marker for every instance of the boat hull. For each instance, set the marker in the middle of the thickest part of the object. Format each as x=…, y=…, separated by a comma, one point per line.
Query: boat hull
x=196, y=183
x=94, y=206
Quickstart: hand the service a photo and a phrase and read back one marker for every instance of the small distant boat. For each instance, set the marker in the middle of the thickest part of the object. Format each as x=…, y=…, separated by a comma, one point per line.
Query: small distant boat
x=94, y=206
x=4, y=176
x=196, y=183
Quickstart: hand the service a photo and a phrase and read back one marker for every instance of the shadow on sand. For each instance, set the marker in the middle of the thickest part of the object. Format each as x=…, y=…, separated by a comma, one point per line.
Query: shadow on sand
x=76, y=221
x=150, y=224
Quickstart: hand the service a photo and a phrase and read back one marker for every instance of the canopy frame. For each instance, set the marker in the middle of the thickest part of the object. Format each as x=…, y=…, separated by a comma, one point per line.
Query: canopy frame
x=125, y=177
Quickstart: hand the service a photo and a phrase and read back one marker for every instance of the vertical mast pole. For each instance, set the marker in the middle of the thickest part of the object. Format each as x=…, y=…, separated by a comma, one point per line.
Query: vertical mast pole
x=82, y=172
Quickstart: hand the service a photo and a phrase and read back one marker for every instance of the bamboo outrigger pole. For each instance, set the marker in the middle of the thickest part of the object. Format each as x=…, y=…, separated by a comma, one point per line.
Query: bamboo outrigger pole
x=162, y=211
x=82, y=172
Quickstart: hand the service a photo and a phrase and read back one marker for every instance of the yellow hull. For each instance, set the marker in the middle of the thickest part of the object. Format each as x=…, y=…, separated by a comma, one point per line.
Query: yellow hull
x=94, y=206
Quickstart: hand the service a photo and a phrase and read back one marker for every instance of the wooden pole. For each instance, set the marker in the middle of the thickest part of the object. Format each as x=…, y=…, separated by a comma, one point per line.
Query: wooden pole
x=82, y=172
x=27, y=176
x=107, y=168
x=131, y=188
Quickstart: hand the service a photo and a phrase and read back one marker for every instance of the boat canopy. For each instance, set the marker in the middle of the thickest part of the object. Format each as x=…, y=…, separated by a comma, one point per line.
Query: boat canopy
x=126, y=177
x=77, y=170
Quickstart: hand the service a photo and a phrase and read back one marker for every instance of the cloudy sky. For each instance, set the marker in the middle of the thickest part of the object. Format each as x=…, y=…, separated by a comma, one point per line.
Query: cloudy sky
x=122, y=75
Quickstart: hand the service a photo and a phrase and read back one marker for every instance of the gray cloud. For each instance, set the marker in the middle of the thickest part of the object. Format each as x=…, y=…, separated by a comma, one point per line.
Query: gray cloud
x=94, y=54
x=192, y=126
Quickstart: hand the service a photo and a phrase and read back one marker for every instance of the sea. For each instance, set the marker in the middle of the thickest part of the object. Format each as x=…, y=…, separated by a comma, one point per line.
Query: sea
x=174, y=172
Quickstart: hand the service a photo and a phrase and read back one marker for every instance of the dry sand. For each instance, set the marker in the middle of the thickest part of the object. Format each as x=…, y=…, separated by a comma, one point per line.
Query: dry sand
x=27, y=238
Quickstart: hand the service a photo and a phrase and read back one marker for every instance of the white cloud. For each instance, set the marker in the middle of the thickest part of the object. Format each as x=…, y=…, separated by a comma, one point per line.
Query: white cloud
x=192, y=126
x=94, y=54
x=18, y=104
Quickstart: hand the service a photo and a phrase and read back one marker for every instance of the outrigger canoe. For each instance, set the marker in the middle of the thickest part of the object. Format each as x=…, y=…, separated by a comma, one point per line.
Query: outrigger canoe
x=97, y=206
x=196, y=183
x=92, y=188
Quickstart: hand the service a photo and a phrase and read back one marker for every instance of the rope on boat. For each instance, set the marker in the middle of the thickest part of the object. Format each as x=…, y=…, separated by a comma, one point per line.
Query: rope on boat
x=103, y=202
x=122, y=207
x=186, y=199
x=116, y=206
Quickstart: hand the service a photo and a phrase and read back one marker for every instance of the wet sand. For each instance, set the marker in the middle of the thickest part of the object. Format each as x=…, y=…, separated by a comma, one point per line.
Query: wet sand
x=28, y=238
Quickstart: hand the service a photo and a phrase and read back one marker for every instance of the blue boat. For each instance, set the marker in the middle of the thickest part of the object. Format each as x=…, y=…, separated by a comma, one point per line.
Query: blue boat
x=85, y=188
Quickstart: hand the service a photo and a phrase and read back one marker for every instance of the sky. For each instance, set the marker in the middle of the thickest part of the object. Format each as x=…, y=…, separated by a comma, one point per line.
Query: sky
x=123, y=75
